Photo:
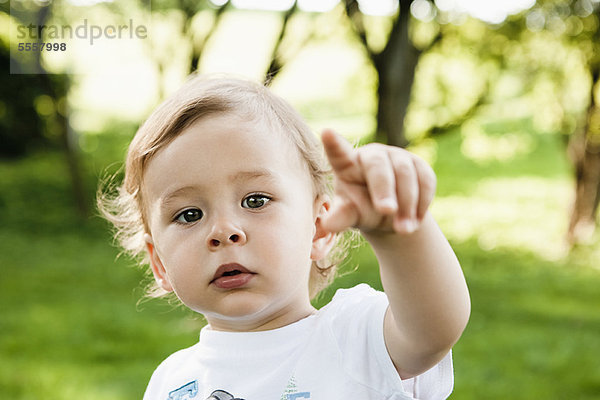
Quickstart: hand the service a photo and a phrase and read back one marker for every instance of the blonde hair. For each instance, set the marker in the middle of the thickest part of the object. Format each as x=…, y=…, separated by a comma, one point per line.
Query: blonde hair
x=198, y=98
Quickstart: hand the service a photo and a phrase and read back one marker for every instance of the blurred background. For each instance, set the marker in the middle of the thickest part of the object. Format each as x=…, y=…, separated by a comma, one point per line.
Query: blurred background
x=501, y=98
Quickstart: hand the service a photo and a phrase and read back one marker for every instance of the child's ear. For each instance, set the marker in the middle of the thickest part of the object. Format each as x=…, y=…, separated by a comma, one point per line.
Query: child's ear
x=323, y=240
x=158, y=269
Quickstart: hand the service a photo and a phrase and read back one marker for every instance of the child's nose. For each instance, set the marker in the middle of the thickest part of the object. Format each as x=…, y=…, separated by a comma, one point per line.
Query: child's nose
x=225, y=234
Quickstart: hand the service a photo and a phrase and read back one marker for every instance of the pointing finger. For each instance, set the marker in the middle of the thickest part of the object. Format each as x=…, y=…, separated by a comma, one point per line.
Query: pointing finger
x=341, y=155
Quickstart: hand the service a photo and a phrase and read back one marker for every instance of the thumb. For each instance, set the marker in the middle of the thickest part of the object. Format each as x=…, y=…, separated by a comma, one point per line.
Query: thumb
x=340, y=217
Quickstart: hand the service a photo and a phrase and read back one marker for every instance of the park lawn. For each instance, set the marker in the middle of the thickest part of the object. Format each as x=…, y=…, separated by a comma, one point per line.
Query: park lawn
x=72, y=325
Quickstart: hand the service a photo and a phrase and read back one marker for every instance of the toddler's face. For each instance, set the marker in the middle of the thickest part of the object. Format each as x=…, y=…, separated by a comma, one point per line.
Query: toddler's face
x=232, y=215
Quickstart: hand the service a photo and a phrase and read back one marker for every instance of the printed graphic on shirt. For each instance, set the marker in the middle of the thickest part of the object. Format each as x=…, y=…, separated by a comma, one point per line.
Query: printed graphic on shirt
x=190, y=390
x=187, y=391
x=222, y=395
x=292, y=393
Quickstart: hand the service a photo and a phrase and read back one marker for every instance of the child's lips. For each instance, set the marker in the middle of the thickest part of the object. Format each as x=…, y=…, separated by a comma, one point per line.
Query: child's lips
x=232, y=276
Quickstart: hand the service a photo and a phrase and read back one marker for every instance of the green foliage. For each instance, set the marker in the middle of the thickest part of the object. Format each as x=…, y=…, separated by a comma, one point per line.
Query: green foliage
x=21, y=123
x=30, y=105
x=542, y=56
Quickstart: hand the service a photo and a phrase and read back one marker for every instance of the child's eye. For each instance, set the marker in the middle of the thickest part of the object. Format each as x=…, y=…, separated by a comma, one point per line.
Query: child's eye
x=188, y=216
x=255, y=201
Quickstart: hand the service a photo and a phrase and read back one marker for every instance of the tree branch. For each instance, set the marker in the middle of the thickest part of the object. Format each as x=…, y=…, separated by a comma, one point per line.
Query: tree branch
x=276, y=63
x=198, y=48
x=358, y=26
x=218, y=15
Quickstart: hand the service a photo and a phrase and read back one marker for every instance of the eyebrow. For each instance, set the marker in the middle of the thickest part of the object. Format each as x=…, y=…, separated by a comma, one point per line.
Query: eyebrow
x=239, y=176
x=254, y=174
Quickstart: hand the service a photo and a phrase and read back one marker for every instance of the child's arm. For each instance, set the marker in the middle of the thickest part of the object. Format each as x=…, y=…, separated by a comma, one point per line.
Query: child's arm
x=385, y=192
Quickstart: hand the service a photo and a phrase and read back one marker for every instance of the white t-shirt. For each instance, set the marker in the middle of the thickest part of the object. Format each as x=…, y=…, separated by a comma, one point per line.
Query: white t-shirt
x=337, y=353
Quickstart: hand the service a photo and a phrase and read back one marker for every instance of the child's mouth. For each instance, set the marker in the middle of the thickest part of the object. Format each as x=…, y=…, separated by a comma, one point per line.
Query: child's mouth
x=232, y=276
x=232, y=273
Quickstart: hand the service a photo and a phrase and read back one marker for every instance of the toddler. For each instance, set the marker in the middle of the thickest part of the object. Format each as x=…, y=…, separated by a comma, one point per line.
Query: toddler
x=227, y=194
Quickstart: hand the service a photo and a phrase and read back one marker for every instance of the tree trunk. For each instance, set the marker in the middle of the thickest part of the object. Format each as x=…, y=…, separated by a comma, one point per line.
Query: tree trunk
x=585, y=152
x=396, y=66
x=276, y=62
x=73, y=165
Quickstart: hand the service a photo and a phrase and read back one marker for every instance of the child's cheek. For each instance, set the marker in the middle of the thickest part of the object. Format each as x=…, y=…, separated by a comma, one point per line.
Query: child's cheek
x=287, y=234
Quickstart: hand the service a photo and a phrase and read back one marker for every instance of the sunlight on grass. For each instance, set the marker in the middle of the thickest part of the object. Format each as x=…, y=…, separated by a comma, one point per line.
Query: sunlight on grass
x=481, y=147
x=525, y=213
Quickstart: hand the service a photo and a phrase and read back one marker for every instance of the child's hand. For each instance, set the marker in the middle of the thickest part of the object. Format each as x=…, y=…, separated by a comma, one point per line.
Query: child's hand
x=378, y=187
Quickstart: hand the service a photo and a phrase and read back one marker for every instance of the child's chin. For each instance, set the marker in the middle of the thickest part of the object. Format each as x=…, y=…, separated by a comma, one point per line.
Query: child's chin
x=242, y=306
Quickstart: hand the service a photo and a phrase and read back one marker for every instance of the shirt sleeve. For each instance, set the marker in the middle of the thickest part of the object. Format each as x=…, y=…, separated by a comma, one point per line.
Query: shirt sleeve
x=174, y=371
x=357, y=316
x=154, y=388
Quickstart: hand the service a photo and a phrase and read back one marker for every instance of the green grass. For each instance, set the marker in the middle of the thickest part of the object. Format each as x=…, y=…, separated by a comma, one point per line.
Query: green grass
x=534, y=328
x=72, y=326
x=70, y=320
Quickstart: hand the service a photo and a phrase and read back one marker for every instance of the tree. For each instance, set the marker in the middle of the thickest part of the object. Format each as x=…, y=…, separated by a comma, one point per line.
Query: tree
x=395, y=66
x=574, y=22
x=584, y=149
x=197, y=41
x=578, y=25
x=276, y=63
x=40, y=107
x=192, y=39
